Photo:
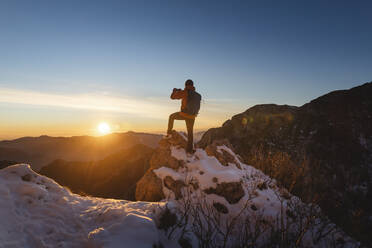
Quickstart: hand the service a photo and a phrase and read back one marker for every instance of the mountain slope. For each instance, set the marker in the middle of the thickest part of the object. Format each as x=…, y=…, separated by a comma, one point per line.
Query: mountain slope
x=113, y=177
x=40, y=151
x=320, y=151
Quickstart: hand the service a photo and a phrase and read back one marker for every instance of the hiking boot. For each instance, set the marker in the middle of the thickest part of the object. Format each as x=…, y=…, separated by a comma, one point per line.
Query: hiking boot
x=169, y=135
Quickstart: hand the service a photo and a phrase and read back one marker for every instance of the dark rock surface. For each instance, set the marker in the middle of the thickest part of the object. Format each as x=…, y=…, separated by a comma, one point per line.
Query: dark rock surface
x=232, y=191
x=220, y=208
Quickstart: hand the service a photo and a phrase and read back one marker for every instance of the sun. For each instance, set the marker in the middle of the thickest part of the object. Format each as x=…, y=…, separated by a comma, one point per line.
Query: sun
x=104, y=128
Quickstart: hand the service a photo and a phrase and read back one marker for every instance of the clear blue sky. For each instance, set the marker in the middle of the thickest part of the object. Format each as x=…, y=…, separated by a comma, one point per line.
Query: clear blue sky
x=239, y=53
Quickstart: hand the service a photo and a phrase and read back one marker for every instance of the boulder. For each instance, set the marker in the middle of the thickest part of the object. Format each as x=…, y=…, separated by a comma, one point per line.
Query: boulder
x=149, y=187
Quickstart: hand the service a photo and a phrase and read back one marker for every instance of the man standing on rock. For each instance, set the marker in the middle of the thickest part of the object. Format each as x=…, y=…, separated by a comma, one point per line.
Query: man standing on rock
x=189, y=110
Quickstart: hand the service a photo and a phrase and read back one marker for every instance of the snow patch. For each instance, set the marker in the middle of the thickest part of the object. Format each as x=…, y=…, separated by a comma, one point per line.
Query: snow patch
x=37, y=212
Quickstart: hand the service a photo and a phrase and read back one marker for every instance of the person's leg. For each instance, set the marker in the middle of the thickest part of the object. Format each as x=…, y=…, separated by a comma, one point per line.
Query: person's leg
x=190, y=134
x=172, y=117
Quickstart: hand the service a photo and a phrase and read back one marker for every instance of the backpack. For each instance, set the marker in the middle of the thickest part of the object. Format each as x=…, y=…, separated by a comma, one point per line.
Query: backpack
x=193, y=102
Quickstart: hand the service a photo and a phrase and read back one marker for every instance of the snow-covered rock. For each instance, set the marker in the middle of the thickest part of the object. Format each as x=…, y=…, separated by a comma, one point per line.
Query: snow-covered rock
x=36, y=212
x=214, y=187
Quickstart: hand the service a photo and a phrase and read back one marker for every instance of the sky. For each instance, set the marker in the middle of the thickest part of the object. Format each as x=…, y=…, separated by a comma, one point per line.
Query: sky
x=66, y=66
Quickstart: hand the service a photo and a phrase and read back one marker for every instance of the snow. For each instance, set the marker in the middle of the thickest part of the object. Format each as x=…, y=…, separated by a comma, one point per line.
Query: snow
x=37, y=212
x=204, y=169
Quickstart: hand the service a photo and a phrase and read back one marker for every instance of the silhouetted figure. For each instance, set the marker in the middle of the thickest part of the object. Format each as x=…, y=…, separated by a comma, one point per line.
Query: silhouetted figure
x=189, y=110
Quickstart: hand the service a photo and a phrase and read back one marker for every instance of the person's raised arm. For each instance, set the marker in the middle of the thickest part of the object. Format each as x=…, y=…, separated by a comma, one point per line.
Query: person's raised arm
x=177, y=94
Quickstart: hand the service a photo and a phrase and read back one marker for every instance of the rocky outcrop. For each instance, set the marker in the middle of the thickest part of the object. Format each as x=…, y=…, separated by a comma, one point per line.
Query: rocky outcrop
x=320, y=151
x=149, y=188
x=162, y=156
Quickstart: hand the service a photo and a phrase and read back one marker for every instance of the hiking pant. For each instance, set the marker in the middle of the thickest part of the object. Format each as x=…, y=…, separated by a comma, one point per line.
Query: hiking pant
x=189, y=126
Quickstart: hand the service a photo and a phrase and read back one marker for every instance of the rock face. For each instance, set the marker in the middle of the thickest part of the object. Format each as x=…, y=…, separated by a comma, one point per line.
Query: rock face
x=163, y=157
x=320, y=151
x=149, y=188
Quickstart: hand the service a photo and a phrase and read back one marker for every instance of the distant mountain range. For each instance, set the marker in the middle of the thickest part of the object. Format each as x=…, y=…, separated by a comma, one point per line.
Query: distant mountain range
x=40, y=151
x=321, y=151
x=112, y=177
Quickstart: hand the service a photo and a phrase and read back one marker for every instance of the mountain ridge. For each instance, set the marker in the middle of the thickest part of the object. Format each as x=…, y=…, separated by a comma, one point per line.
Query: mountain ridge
x=40, y=151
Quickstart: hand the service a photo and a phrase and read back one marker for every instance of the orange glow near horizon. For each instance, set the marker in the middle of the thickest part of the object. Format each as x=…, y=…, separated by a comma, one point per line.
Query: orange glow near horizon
x=32, y=113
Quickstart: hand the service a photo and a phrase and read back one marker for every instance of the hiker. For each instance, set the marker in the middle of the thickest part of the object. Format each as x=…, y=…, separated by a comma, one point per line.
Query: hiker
x=189, y=110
